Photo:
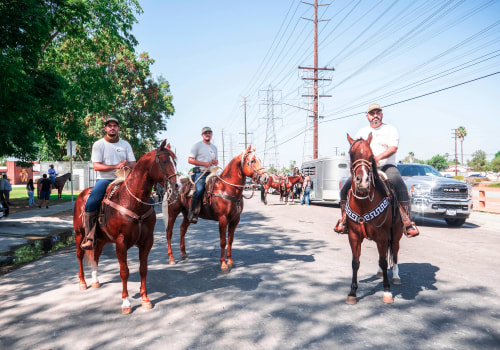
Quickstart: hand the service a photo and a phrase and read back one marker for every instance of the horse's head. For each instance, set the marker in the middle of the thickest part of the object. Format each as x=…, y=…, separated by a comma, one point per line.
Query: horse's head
x=165, y=171
x=363, y=165
x=252, y=167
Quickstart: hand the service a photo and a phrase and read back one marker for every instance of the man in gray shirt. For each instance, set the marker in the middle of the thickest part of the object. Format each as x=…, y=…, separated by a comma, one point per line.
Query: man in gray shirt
x=203, y=156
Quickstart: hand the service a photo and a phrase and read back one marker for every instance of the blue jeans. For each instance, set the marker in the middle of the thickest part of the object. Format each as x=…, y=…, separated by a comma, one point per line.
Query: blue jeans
x=306, y=195
x=52, y=179
x=200, y=185
x=96, y=195
x=31, y=195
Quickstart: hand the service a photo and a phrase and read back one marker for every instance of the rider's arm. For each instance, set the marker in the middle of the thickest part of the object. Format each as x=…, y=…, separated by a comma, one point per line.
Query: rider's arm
x=193, y=161
x=104, y=167
x=386, y=154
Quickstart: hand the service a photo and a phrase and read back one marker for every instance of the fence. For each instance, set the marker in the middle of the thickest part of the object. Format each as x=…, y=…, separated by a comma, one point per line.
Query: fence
x=488, y=199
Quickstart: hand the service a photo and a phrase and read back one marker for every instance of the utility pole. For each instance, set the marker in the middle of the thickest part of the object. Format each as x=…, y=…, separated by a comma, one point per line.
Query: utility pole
x=455, y=132
x=246, y=133
x=315, y=78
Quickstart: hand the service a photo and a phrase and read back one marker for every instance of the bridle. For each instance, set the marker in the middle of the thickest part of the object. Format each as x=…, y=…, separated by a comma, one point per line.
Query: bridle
x=367, y=164
x=168, y=185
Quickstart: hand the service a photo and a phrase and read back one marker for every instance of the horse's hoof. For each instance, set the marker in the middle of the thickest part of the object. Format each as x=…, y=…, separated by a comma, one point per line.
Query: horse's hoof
x=146, y=305
x=171, y=261
x=230, y=264
x=82, y=286
x=185, y=257
x=350, y=300
x=379, y=275
x=225, y=269
x=387, y=298
x=396, y=281
x=126, y=310
x=95, y=285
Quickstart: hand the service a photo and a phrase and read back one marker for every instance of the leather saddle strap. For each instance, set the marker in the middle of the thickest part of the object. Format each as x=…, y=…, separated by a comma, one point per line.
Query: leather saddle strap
x=131, y=214
x=231, y=198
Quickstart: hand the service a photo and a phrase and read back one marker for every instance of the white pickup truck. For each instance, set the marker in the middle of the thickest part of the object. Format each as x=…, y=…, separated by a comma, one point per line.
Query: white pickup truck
x=435, y=196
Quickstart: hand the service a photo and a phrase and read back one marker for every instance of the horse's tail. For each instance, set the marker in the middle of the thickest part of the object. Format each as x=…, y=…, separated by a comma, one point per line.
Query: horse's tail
x=262, y=194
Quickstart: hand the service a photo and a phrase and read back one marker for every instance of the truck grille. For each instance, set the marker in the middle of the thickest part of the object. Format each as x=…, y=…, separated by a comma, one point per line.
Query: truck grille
x=450, y=191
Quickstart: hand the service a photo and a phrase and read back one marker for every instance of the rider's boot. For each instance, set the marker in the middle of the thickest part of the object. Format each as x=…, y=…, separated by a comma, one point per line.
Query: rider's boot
x=90, y=225
x=194, y=210
x=410, y=229
x=340, y=227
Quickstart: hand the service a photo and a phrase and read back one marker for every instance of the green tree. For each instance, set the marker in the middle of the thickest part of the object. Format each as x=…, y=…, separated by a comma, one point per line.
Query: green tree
x=461, y=133
x=439, y=162
x=495, y=164
x=478, y=161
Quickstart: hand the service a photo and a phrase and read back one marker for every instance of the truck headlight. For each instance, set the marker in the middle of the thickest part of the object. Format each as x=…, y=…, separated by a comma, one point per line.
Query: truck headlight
x=420, y=191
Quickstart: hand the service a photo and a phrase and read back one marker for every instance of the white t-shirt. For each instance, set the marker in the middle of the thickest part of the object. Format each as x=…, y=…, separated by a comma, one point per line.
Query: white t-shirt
x=111, y=154
x=203, y=152
x=383, y=137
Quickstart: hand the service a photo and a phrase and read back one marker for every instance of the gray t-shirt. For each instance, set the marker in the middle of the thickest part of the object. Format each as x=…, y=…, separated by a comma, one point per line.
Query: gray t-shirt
x=111, y=154
x=203, y=152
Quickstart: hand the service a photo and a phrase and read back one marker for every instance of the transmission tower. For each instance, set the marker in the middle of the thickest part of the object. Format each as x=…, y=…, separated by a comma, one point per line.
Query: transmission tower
x=271, y=154
x=314, y=77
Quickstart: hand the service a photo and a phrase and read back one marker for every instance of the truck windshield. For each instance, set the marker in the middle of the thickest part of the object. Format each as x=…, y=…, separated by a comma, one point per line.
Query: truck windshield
x=417, y=170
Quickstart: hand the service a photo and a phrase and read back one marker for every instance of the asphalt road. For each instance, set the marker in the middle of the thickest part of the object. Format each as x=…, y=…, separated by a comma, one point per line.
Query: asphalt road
x=287, y=291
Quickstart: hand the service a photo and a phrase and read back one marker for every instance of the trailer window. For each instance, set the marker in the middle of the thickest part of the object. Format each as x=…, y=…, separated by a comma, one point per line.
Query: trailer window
x=342, y=165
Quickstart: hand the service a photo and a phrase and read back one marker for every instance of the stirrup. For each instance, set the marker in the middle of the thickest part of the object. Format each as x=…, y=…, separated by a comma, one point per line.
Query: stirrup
x=88, y=245
x=340, y=227
x=411, y=231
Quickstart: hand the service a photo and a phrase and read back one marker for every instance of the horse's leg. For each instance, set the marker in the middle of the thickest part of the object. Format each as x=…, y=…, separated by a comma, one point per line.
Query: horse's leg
x=230, y=237
x=355, y=243
x=170, y=232
x=121, y=255
x=95, y=255
x=184, y=227
x=382, y=262
x=80, y=254
x=395, y=251
x=222, y=234
x=144, y=250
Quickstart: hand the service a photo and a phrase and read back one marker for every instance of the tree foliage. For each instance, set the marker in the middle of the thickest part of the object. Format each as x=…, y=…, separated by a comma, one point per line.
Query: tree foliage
x=478, y=161
x=65, y=66
x=439, y=162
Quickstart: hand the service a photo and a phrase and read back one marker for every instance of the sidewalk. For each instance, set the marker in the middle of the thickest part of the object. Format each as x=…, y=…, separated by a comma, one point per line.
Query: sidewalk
x=18, y=228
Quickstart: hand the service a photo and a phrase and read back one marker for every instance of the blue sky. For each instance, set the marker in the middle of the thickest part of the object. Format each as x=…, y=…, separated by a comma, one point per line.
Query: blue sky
x=213, y=53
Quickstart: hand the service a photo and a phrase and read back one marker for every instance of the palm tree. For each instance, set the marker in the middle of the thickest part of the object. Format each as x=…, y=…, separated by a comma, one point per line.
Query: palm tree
x=461, y=133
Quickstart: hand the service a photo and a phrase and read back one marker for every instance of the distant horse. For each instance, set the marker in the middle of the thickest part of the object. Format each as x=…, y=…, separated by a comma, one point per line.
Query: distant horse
x=274, y=183
x=373, y=214
x=222, y=202
x=60, y=181
x=127, y=218
x=287, y=186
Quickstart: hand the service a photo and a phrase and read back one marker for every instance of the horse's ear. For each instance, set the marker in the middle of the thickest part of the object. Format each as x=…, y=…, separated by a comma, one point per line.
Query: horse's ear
x=369, y=139
x=350, y=139
x=162, y=146
x=168, y=145
x=249, y=148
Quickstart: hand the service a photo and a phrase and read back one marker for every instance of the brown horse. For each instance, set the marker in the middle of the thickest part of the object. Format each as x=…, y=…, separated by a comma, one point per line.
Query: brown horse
x=287, y=186
x=274, y=183
x=371, y=214
x=222, y=202
x=283, y=184
x=127, y=218
x=60, y=182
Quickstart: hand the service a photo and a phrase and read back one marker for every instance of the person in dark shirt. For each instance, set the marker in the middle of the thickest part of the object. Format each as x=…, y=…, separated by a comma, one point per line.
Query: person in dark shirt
x=44, y=191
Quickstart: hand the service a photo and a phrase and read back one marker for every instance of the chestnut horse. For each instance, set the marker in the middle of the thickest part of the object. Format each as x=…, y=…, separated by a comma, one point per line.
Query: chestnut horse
x=287, y=186
x=222, y=202
x=371, y=214
x=127, y=218
x=283, y=184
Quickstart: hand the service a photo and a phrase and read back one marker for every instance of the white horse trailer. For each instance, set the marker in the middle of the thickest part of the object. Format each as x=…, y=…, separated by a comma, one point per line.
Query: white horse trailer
x=326, y=174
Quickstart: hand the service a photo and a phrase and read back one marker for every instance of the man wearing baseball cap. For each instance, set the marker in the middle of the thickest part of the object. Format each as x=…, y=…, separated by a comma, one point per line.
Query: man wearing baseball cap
x=384, y=144
x=203, y=156
x=108, y=154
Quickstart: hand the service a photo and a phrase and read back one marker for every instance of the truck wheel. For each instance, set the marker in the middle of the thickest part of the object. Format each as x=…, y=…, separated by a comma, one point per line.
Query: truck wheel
x=455, y=222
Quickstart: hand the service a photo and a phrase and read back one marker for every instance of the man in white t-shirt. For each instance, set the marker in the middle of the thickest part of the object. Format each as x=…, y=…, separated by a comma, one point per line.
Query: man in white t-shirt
x=203, y=156
x=384, y=144
x=108, y=154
